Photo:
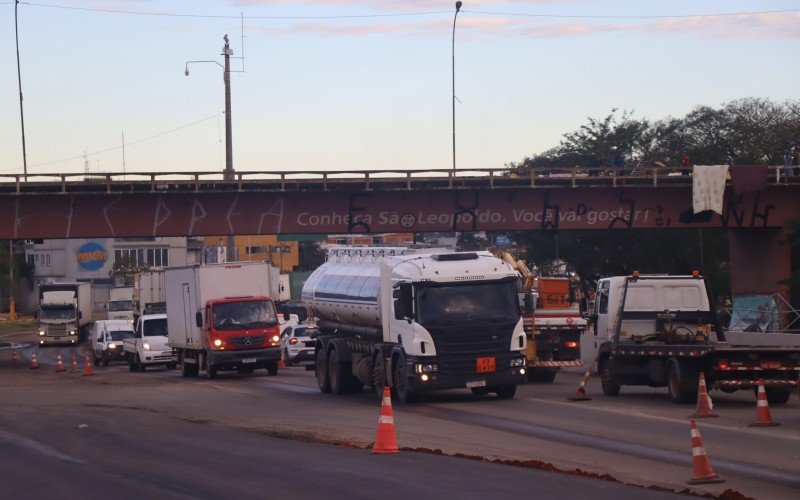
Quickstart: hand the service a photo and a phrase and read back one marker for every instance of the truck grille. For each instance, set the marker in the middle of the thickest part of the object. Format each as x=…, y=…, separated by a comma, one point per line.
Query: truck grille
x=248, y=341
x=473, y=340
x=57, y=330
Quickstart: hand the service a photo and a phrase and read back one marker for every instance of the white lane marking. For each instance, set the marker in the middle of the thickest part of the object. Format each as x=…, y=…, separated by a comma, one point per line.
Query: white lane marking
x=37, y=447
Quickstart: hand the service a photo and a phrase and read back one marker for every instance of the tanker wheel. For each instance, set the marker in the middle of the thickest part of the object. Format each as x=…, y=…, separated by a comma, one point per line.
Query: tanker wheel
x=322, y=372
x=272, y=368
x=404, y=394
x=379, y=376
x=338, y=374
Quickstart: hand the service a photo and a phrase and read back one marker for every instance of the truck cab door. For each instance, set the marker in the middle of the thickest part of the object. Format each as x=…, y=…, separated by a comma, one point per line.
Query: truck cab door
x=602, y=324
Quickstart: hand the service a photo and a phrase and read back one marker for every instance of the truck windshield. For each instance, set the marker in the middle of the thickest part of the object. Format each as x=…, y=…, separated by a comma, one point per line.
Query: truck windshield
x=119, y=335
x=120, y=305
x=470, y=303
x=155, y=327
x=66, y=312
x=244, y=315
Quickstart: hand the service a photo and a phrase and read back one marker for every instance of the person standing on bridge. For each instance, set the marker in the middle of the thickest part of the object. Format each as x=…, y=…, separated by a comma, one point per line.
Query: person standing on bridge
x=788, y=170
x=686, y=164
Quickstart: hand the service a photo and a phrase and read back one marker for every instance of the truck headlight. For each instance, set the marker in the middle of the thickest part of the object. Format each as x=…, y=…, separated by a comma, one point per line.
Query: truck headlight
x=426, y=368
x=72, y=332
x=112, y=346
x=217, y=342
x=146, y=346
x=275, y=338
x=41, y=333
x=517, y=362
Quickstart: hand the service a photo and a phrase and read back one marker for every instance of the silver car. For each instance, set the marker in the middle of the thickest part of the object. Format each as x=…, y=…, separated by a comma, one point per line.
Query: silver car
x=297, y=344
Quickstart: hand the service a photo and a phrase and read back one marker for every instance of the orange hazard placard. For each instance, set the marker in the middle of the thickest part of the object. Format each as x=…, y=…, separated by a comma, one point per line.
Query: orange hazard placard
x=485, y=365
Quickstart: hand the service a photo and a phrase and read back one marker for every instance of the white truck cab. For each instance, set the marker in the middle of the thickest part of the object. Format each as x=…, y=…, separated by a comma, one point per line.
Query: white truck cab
x=107, y=337
x=149, y=347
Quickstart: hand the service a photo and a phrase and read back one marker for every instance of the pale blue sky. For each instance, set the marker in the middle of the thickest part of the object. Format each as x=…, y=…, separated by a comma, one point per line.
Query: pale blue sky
x=366, y=93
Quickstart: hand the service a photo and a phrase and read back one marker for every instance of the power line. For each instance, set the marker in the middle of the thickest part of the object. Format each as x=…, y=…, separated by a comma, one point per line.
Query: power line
x=126, y=144
x=655, y=16
x=220, y=16
x=411, y=14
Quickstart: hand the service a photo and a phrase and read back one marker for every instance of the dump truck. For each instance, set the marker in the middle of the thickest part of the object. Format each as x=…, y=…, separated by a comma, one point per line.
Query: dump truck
x=64, y=312
x=553, y=323
x=221, y=318
x=416, y=320
x=662, y=331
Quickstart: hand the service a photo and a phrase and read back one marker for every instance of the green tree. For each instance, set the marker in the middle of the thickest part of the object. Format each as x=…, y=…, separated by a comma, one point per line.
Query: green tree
x=125, y=269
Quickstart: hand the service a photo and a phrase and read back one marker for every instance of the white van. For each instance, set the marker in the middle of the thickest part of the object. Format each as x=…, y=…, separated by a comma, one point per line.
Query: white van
x=107, y=337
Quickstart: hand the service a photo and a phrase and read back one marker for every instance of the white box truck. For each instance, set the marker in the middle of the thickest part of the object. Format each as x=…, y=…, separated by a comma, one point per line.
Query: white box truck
x=120, y=303
x=416, y=321
x=149, y=294
x=222, y=318
x=64, y=313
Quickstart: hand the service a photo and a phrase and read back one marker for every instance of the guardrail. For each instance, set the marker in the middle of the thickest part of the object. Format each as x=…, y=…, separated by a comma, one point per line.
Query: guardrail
x=368, y=180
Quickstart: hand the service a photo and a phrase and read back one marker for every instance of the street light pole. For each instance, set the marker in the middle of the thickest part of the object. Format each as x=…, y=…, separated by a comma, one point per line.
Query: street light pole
x=228, y=174
x=453, y=66
x=19, y=80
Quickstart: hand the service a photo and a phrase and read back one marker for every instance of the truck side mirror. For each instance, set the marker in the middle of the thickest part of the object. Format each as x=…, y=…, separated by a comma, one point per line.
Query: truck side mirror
x=198, y=319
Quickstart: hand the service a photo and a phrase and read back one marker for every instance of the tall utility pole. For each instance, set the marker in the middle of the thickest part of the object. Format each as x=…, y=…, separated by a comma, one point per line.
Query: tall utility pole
x=19, y=80
x=453, y=66
x=228, y=174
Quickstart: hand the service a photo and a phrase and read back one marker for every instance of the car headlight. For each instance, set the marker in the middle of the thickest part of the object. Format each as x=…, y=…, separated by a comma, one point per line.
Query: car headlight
x=217, y=342
x=112, y=346
x=146, y=346
x=41, y=333
x=426, y=368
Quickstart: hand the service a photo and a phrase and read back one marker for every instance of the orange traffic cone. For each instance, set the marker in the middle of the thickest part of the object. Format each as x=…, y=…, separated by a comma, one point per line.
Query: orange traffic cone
x=385, y=440
x=704, y=403
x=763, y=416
x=60, y=365
x=703, y=474
x=74, y=367
x=87, y=367
x=281, y=363
x=580, y=394
x=34, y=362
x=14, y=356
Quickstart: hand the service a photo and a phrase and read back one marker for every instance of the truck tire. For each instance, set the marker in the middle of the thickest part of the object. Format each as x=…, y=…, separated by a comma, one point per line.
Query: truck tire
x=340, y=374
x=608, y=381
x=681, y=382
x=778, y=395
x=379, y=376
x=187, y=369
x=272, y=368
x=131, y=366
x=404, y=394
x=139, y=365
x=96, y=360
x=322, y=371
x=506, y=392
x=211, y=370
x=105, y=362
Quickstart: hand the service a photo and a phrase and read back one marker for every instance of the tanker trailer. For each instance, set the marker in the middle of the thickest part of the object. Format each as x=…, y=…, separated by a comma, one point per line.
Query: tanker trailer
x=416, y=322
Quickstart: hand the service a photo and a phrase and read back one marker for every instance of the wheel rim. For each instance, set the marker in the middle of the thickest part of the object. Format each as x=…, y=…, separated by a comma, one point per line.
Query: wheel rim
x=673, y=383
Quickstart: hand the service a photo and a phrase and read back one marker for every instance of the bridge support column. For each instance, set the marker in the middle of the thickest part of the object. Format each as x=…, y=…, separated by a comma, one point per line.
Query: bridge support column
x=759, y=259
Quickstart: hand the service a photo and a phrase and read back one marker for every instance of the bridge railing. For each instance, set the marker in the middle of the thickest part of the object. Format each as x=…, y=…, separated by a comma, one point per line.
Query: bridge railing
x=640, y=175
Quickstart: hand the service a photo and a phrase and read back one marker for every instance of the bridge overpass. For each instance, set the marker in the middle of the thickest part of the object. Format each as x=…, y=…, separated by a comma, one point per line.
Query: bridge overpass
x=202, y=203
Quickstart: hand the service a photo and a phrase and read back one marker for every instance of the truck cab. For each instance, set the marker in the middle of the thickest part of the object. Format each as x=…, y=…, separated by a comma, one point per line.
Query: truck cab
x=149, y=347
x=240, y=333
x=58, y=317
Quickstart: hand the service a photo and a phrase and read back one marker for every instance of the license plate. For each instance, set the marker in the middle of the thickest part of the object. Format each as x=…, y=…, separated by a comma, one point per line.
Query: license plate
x=770, y=364
x=476, y=383
x=249, y=360
x=485, y=365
